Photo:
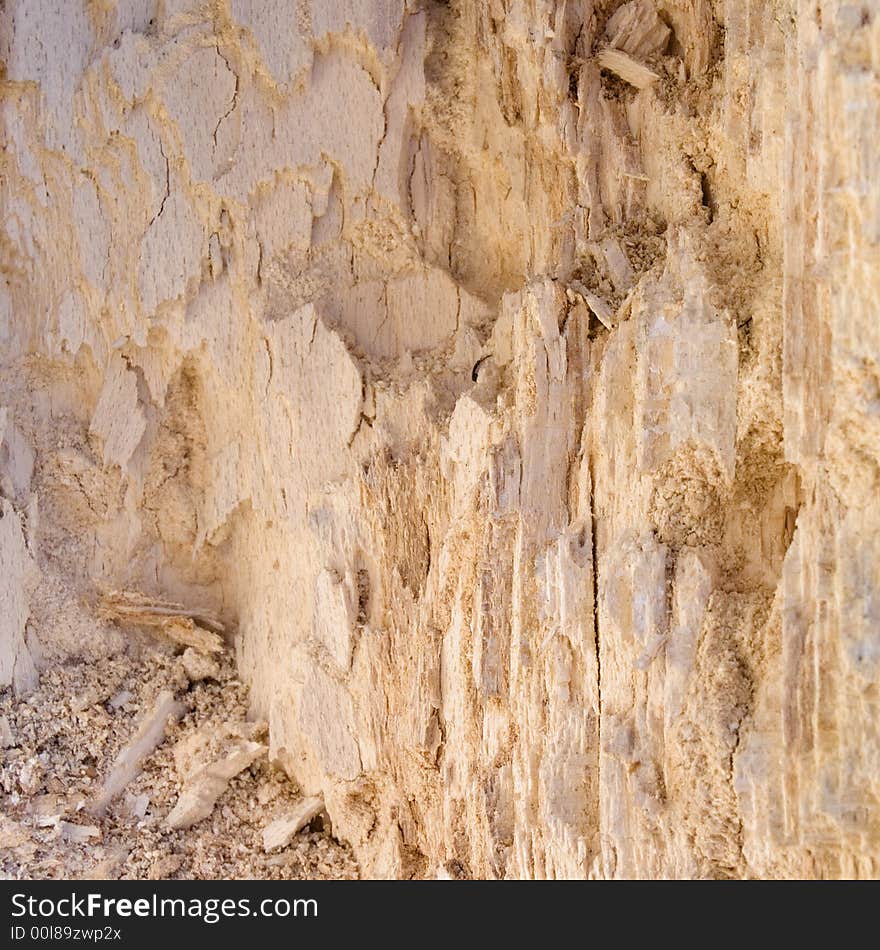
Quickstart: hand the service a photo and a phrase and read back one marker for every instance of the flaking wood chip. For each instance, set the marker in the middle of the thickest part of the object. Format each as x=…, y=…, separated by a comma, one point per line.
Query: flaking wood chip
x=196, y=628
x=189, y=634
x=279, y=833
x=636, y=28
x=143, y=743
x=600, y=307
x=206, y=761
x=628, y=69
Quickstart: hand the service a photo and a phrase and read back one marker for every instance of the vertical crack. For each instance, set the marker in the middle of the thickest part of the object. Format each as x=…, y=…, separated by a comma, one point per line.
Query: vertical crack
x=595, y=558
x=234, y=101
x=167, y=184
x=596, y=645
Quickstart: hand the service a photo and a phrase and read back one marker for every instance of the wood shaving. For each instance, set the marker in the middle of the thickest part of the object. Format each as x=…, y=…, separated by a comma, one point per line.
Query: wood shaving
x=626, y=68
x=195, y=628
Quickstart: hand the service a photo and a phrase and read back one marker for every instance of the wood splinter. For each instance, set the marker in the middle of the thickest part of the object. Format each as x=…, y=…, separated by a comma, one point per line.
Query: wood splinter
x=196, y=628
x=626, y=68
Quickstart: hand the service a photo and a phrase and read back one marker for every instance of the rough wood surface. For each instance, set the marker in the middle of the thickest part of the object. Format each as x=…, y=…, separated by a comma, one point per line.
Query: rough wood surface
x=519, y=422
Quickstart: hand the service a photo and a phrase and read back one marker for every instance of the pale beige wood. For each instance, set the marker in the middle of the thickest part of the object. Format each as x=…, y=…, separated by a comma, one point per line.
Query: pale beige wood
x=499, y=378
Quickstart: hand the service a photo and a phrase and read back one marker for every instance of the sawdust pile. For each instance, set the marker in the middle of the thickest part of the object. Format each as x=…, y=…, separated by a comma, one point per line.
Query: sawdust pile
x=61, y=743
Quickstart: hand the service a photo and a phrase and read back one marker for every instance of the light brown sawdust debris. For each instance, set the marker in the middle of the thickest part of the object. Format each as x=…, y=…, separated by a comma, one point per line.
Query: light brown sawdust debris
x=63, y=739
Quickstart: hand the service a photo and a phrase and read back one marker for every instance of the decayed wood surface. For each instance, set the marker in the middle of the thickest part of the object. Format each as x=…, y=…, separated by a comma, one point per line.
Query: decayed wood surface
x=501, y=374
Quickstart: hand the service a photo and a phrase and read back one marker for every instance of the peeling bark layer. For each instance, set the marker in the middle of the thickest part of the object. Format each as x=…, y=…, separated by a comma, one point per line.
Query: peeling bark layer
x=502, y=372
